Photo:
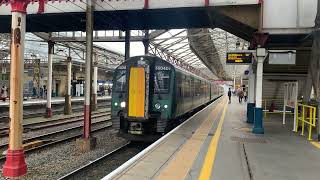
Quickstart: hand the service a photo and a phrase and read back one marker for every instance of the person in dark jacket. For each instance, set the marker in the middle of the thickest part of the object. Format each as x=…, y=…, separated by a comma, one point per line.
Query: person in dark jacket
x=229, y=95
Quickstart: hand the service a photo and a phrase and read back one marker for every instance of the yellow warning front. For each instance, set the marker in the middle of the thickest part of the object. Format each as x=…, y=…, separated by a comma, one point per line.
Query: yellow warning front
x=136, y=92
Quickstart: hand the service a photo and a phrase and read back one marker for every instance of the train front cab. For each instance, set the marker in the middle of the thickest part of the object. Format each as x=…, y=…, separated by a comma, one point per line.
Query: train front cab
x=142, y=96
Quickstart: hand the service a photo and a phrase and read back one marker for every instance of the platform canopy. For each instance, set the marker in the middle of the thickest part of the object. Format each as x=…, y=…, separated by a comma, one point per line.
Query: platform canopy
x=201, y=51
x=37, y=48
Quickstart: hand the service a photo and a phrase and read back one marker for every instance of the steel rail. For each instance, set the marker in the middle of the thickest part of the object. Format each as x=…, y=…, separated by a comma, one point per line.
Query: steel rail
x=59, y=141
x=52, y=123
x=44, y=136
x=92, y=163
x=60, y=110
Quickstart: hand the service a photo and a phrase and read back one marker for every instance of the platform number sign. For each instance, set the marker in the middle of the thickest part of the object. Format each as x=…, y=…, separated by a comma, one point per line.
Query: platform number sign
x=239, y=58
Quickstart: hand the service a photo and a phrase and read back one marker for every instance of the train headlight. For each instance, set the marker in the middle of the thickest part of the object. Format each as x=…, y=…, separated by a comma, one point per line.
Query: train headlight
x=123, y=104
x=115, y=104
x=157, y=106
x=165, y=106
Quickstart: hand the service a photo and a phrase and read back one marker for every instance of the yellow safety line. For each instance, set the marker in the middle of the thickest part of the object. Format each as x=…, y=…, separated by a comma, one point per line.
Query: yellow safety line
x=316, y=144
x=180, y=165
x=211, y=154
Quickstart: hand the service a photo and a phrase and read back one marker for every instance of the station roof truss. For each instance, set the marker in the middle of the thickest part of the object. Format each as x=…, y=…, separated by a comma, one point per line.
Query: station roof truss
x=202, y=51
x=37, y=48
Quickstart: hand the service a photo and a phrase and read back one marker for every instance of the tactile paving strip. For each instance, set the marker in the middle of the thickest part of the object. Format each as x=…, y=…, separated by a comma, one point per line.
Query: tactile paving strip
x=248, y=139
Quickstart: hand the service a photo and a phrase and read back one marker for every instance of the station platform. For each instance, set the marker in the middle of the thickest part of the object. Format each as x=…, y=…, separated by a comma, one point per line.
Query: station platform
x=55, y=100
x=217, y=143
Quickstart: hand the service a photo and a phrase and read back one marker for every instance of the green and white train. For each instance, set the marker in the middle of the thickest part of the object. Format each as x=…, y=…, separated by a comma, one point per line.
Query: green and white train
x=150, y=95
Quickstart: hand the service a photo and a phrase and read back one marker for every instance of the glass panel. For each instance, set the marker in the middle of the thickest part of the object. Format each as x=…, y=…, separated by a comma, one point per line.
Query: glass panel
x=162, y=82
x=120, y=81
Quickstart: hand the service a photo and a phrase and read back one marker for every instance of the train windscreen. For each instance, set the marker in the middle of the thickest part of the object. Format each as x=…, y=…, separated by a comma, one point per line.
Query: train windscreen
x=162, y=82
x=120, y=81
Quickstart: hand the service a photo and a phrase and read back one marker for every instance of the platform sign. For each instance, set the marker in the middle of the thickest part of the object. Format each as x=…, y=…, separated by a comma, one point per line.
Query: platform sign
x=239, y=58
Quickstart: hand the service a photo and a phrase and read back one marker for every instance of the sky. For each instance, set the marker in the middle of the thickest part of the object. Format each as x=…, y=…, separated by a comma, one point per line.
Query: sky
x=136, y=48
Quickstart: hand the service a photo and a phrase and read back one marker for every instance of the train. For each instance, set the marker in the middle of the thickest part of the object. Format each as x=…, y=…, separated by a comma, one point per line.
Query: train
x=150, y=95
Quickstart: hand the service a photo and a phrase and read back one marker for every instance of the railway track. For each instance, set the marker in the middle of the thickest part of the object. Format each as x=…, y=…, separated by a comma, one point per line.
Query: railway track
x=58, y=110
x=105, y=164
x=57, y=137
x=52, y=135
x=56, y=122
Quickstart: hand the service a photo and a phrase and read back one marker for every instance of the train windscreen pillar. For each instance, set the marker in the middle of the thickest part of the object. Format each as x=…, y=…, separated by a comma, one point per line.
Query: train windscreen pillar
x=127, y=45
x=251, y=93
x=146, y=42
x=49, y=82
x=15, y=165
x=67, y=106
x=258, y=118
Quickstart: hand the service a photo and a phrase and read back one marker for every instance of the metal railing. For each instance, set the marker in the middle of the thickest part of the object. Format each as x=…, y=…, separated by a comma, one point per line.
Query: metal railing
x=306, y=115
x=267, y=107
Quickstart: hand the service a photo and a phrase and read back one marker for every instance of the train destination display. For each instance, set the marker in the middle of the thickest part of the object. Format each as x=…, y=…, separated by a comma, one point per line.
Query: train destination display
x=239, y=58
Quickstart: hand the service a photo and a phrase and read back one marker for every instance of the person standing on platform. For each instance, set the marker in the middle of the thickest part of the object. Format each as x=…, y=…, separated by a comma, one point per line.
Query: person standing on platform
x=4, y=93
x=245, y=96
x=109, y=91
x=44, y=91
x=240, y=95
x=229, y=95
x=41, y=92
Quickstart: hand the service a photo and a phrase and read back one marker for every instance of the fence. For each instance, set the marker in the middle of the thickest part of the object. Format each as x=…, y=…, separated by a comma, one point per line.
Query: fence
x=306, y=115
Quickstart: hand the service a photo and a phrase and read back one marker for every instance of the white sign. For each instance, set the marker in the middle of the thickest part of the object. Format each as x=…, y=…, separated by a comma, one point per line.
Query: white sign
x=282, y=57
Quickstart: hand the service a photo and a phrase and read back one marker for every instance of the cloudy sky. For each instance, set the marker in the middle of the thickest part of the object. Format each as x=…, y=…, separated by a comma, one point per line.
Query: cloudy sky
x=136, y=48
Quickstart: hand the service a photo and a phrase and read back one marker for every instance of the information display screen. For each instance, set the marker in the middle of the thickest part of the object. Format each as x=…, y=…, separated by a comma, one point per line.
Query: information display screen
x=239, y=58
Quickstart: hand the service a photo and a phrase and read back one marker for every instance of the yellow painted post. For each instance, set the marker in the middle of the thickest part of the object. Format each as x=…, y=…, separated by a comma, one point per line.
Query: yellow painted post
x=314, y=117
x=302, y=123
x=310, y=123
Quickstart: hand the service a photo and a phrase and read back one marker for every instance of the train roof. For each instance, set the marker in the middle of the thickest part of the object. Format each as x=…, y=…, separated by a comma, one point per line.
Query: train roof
x=146, y=57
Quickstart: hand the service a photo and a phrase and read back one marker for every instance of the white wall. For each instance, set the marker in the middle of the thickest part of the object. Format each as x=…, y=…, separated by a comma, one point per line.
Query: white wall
x=289, y=13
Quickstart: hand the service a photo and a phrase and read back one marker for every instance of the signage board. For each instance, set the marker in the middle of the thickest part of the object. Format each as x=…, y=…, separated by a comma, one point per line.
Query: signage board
x=239, y=58
x=284, y=57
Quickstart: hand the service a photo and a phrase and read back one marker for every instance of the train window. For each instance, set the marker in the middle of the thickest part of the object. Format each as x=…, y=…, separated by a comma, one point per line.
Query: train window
x=120, y=81
x=162, y=82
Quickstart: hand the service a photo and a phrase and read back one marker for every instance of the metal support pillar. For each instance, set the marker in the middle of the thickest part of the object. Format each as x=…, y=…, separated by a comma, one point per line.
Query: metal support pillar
x=258, y=118
x=127, y=44
x=308, y=84
x=67, y=105
x=314, y=66
x=49, y=81
x=94, y=88
x=234, y=83
x=146, y=42
x=234, y=78
x=87, y=142
x=251, y=103
x=15, y=165
x=89, y=45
